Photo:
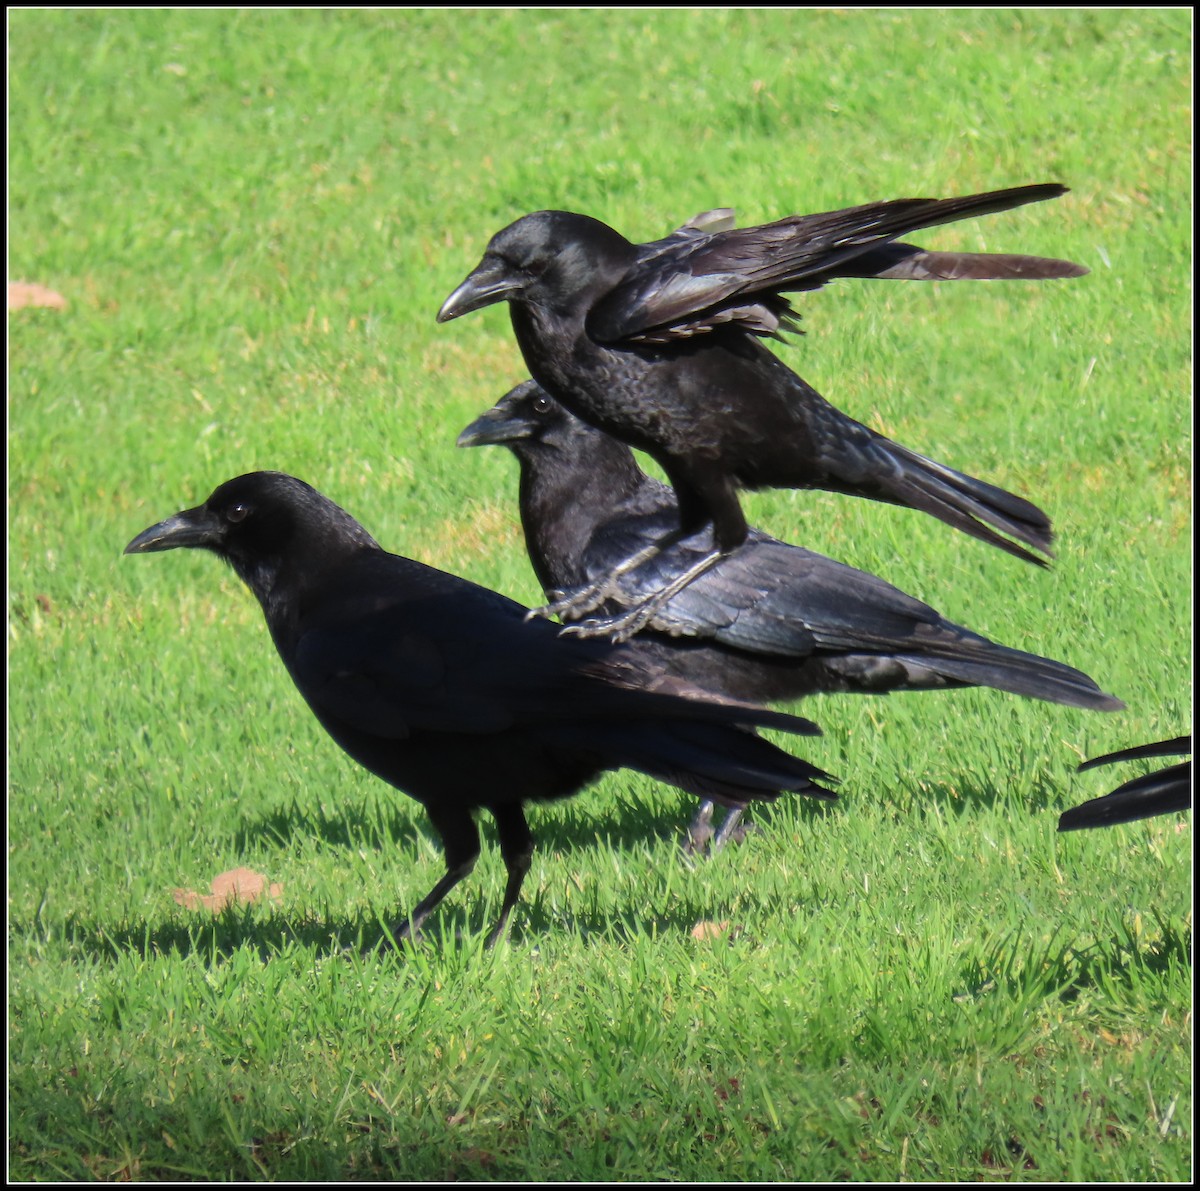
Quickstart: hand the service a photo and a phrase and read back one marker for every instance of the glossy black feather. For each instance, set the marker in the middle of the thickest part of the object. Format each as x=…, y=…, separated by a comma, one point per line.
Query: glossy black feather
x=672, y=294
x=768, y=621
x=443, y=689
x=1156, y=793
x=660, y=345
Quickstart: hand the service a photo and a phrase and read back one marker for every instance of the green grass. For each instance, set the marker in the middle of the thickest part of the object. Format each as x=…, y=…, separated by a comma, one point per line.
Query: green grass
x=254, y=217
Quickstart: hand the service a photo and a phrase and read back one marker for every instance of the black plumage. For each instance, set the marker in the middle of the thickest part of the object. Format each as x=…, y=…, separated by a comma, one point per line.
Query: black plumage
x=443, y=689
x=769, y=621
x=659, y=345
x=1156, y=793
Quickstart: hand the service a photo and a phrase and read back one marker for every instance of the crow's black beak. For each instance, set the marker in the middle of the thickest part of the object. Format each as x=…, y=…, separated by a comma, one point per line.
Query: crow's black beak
x=192, y=527
x=498, y=425
x=489, y=282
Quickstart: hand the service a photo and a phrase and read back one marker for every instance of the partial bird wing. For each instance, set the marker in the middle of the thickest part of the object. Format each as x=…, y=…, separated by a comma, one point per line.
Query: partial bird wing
x=1177, y=746
x=401, y=668
x=691, y=284
x=414, y=649
x=766, y=597
x=1156, y=793
x=784, y=602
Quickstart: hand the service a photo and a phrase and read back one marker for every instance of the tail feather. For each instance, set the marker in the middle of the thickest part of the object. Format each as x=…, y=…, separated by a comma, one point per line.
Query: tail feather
x=726, y=763
x=1176, y=746
x=972, y=505
x=907, y=262
x=1156, y=793
x=1020, y=673
x=845, y=456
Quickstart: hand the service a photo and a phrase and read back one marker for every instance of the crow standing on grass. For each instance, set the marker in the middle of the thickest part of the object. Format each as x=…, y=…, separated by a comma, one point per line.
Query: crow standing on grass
x=1156, y=793
x=658, y=344
x=442, y=688
x=769, y=621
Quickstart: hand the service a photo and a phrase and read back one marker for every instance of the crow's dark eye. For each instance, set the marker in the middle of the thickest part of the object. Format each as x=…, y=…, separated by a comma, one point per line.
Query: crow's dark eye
x=541, y=405
x=238, y=512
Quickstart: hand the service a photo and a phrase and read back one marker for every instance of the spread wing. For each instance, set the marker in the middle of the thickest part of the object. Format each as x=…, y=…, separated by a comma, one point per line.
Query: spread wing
x=692, y=283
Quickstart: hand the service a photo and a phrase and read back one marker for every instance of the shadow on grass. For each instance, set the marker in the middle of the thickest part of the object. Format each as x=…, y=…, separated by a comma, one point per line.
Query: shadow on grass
x=1122, y=965
x=459, y=924
x=1034, y=795
x=451, y=929
x=1129, y=960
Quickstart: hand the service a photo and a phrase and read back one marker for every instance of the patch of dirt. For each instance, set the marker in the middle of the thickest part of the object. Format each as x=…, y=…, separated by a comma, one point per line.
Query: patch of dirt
x=238, y=885
x=29, y=293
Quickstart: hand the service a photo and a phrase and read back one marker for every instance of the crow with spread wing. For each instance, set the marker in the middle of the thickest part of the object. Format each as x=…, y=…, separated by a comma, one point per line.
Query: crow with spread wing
x=660, y=345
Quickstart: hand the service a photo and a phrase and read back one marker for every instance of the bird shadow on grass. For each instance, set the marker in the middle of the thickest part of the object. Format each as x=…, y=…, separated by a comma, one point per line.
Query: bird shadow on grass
x=1030, y=970
x=451, y=929
x=462, y=923
x=1024, y=969
x=959, y=798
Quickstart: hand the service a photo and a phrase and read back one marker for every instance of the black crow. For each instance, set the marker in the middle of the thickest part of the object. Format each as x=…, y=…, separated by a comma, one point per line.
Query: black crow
x=769, y=621
x=658, y=344
x=443, y=689
x=1155, y=793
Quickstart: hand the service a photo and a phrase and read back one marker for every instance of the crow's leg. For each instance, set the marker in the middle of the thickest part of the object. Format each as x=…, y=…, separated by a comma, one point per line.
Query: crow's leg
x=460, y=841
x=700, y=834
x=624, y=625
x=579, y=601
x=706, y=495
x=516, y=847
x=732, y=829
x=700, y=830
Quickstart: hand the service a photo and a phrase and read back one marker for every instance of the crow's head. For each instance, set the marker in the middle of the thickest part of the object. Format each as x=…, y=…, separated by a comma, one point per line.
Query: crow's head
x=552, y=259
x=532, y=424
x=523, y=413
x=260, y=523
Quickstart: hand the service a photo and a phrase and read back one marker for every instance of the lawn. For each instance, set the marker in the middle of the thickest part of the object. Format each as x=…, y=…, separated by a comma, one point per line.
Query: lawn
x=253, y=217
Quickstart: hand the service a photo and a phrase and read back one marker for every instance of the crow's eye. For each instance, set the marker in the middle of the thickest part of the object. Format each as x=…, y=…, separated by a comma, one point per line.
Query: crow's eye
x=238, y=512
x=541, y=405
